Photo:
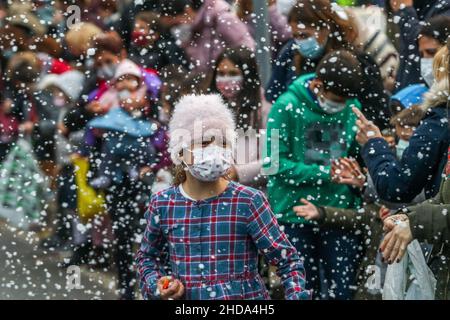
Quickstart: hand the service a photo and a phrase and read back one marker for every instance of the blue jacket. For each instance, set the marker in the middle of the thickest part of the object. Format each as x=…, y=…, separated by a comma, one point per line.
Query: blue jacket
x=421, y=165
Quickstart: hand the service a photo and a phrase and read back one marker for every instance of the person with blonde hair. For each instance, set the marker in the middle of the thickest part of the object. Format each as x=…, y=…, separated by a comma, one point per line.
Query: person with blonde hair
x=79, y=38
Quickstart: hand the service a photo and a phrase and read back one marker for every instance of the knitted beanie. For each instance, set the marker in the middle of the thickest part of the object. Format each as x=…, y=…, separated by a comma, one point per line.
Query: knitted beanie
x=199, y=118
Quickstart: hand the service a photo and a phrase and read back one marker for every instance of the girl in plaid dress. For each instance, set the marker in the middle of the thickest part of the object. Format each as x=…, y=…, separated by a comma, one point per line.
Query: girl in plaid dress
x=203, y=235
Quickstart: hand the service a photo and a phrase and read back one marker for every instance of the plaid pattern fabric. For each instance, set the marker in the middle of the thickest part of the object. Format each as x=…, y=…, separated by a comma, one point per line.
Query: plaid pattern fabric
x=23, y=188
x=212, y=246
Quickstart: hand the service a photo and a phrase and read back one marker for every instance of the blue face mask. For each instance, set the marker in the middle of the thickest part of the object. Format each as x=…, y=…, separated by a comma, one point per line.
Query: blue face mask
x=310, y=48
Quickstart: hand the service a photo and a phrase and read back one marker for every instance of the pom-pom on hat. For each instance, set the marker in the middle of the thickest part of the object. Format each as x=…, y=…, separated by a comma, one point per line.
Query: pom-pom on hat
x=200, y=118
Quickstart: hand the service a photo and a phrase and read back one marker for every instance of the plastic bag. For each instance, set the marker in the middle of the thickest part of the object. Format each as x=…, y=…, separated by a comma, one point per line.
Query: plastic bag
x=411, y=278
x=23, y=187
x=89, y=202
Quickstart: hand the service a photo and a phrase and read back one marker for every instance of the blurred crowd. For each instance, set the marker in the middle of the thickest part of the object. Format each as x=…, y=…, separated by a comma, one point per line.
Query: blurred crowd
x=358, y=91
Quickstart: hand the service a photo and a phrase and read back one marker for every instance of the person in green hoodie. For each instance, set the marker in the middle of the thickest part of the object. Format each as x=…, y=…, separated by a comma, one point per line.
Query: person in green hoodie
x=309, y=126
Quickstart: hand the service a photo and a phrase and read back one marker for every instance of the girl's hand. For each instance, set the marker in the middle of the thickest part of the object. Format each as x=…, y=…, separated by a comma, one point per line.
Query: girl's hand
x=395, y=243
x=347, y=171
x=173, y=290
x=367, y=130
x=308, y=211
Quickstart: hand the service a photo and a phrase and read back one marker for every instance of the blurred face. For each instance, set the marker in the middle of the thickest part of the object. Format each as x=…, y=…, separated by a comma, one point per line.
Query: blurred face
x=302, y=32
x=127, y=82
x=106, y=63
x=390, y=140
x=187, y=17
x=131, y=93
x=143, y=34
x=106, y=58
x=229, y=79
x=59, y=97
x=404, y=132
x=227, y=68
x=428, y=47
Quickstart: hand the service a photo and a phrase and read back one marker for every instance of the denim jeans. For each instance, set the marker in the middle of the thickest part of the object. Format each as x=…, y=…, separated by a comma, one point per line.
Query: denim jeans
x=331, y=257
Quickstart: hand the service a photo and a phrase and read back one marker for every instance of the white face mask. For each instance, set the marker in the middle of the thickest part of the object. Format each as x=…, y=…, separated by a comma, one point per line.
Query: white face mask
x=329, y=106
x=401, y=147
x=182, y=33
x=210, y=163
x=426, y=70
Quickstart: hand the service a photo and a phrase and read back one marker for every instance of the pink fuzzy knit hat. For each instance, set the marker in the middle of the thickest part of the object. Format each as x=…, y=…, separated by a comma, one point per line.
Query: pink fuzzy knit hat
x=199, y=118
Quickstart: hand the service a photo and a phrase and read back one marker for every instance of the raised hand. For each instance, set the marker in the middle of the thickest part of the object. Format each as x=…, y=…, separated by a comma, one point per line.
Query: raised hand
x=367, y=129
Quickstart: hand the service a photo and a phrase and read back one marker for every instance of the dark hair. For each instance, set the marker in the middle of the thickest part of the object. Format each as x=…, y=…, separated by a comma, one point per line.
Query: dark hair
x=319, y=13
x=176, y=7
x=341, y=73
x=195, y=83
x=437, y=28
x=108, y=41
x=150, y=18
x=249, y=99
x=173, y=7
x=106, y=4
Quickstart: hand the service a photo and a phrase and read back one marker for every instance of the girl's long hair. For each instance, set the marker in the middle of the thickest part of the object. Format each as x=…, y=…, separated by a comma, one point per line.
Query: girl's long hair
x=321, y=14
x=248, y=108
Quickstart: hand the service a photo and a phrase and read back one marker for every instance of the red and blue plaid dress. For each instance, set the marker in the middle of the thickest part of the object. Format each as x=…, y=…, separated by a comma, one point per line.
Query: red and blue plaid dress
x=212, y=246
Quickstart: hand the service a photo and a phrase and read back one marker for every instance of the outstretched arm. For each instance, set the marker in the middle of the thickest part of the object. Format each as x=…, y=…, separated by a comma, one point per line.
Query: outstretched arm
x=273, y=243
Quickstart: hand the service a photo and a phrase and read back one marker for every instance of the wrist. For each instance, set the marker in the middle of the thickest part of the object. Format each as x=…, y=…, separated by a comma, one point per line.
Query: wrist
x=321, y=215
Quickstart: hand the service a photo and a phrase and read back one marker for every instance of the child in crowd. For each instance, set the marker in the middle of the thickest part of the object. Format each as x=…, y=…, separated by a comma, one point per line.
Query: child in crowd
x=405, y=122
x=205, y=232
x=128, y=142
x=148, y=49
x=310, y=125
x=367, y=220
x=125, y=129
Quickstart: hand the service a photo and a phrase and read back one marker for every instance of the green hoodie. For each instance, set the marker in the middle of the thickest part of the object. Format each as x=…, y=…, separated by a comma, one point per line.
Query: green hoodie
x=308, y=139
